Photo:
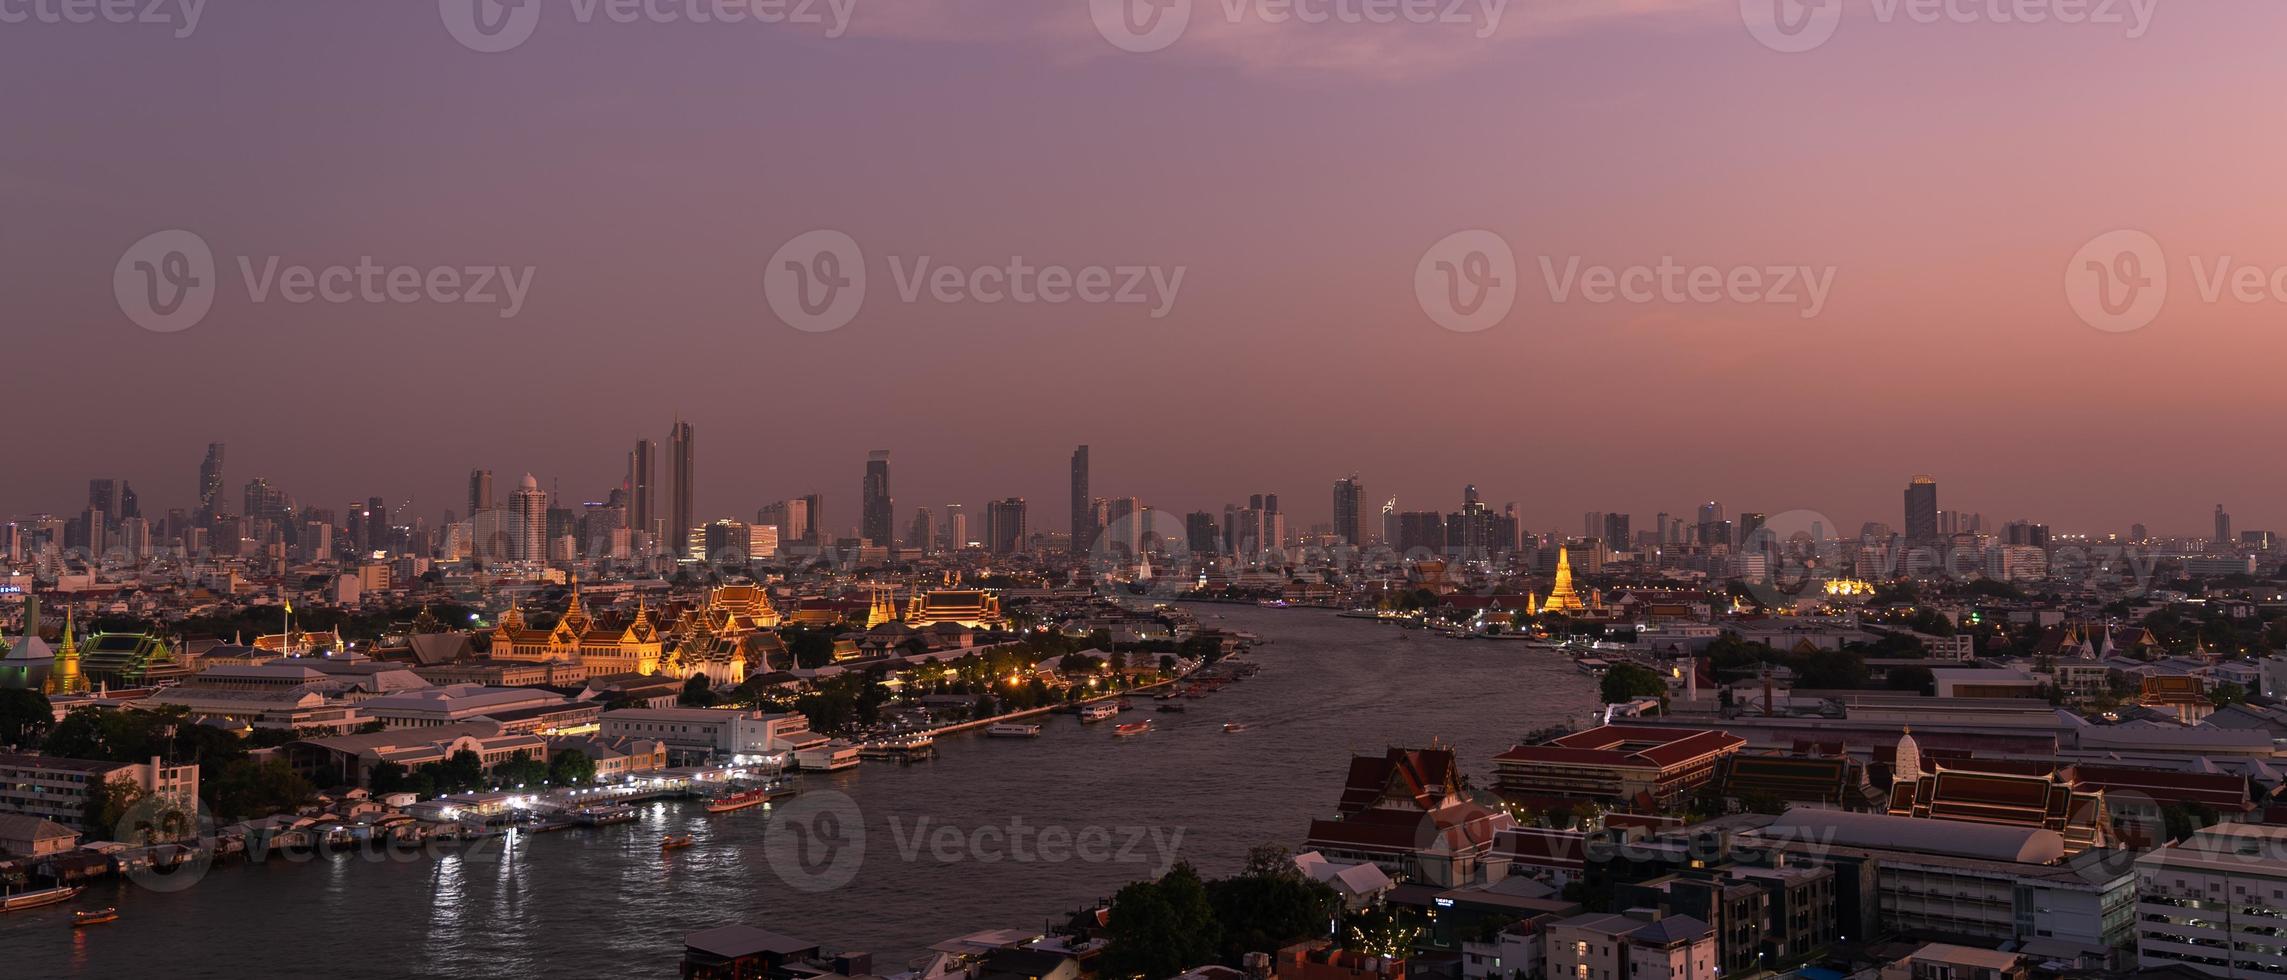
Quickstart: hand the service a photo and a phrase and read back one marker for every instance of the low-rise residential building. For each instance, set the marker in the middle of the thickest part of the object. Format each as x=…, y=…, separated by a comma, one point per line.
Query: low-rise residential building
x=26, y=836
x=59, y=789
x=1607, y=946
x=1944, y=961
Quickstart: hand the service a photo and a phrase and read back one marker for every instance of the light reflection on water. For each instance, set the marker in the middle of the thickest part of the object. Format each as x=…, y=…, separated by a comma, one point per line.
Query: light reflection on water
x=608, y=902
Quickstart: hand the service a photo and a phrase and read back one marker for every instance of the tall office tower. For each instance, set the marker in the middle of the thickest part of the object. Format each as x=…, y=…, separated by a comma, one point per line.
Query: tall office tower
x=1200, y=535
x=1347, y=527
x=1005, y=526
x=135, y=537
x=2026, y=533
x=128, y=505
x=1662, y=527
x=480, y=491
x=529, y=511
x=642, y=476
x=210, y=483
x=790, y=517
x=103, y=495
x=1083, y=510
x=1473, y=531
x=91, y=529
x=1617, y=533
x=1750, y=521
x=2223, y=529
x=376, y=525
x=923, y=535
x=1390, y=523
x=1421, y=531
x=1922, y=510
x=1710, y=516
x=956, y=527
x=815, y=506
x=1593, y=521
x=874, y=505
x=680, y=464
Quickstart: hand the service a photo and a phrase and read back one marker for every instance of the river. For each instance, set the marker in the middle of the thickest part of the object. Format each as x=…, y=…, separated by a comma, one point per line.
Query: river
x=1038, y=827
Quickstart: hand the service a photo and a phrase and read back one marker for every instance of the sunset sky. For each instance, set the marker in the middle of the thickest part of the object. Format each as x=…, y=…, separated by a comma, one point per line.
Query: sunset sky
x=1947, y=173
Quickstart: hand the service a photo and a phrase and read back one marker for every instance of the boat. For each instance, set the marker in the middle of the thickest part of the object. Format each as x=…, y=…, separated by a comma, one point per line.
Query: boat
x=734, y=802
x=94, y=918
x=1098, y=711
x=604, y=816
x=1132, y=728
x=1013, y=729
x=33, y=900
x=900, y=748
x=1171, y=707
x=1234, y=727
x=674, y=843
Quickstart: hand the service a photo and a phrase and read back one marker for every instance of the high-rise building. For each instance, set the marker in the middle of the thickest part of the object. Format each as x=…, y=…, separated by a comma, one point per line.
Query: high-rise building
x=1200, y=534
x=790, y=517
x=210, y=483
x=128, y=505
x=1922, y=510
x=874, y=511
x=956, y=527
x=923, y=535
x=103, y=495
x=376, y=525
x=1083, y=510
x=2223, y=529
x=642, y=476
x=529, y=511
x=1347, y=527
x=480, y=492
x=680, y=464
x=1005, y=526
x=1617, y=535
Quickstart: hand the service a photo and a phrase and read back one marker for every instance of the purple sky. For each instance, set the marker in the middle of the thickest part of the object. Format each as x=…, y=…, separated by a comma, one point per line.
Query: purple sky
x=1946, y=172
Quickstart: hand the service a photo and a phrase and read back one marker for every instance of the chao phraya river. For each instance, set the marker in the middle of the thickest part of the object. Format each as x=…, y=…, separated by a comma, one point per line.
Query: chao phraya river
x=1037, y=826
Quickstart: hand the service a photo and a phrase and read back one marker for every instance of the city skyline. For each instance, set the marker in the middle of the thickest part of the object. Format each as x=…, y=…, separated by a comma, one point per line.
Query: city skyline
x=1307, y=506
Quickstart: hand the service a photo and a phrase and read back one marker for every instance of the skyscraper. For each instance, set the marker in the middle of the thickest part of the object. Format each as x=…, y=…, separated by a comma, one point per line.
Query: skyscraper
x=1083, y=509
x=129, y=507
x=956, y=527
x=103, y=495
x=1005, y=526
x=642, y=473
x=680, y=464
x=1347, y=528
x=480, y=492
x=2223, y=529
x=530, y=531
x=923, y=536
x=875, y=516
x=1922, y=510
x=210, y=483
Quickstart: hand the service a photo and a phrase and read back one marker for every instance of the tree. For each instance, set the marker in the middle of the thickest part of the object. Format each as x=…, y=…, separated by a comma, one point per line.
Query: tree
x=1161, y=928
x=388, y=777
x=1270, y=905
x=108, y=803
x=697, y=693
x=519, y=770
x=571, y=767
x=1627, y=682
x=247, y=789
x=25, y=717
x=2227, y=693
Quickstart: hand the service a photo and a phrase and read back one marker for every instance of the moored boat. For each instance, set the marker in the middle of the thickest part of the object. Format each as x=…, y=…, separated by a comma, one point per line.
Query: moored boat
x=1098, y=711
x=604, y=816
x=1013, y=729
x=734, y=802
x=35, y=899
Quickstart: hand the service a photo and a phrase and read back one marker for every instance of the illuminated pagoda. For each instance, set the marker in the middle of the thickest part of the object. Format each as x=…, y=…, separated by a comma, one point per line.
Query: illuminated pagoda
x=1562, y=598
x=631, y=647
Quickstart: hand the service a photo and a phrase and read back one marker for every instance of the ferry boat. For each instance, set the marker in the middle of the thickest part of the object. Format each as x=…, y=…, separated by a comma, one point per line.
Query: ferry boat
x=734, y=802
x=1098, y=711
x=1234, y=727
x=674, y=843
x=1013, y=729
x=1132, y=728
x=94, y=918
x=830, y=757
x=900, y=748
x=604, y=816
x=33, y=900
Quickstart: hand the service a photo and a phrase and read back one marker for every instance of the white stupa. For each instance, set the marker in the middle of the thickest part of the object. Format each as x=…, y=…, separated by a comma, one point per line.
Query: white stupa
x=1908, y=768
